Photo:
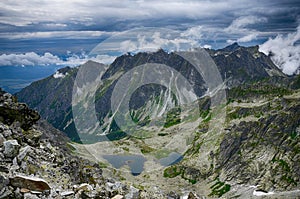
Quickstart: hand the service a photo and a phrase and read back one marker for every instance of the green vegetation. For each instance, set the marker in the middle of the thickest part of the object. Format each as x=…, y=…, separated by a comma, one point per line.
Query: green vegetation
x=136, y=117
x=173, y=117
x=172, y=172
x=207, y=118
x=103, y=165
x=125, y=149
x=294, y=135
x=229, y=101
x=204, y=113
x=105, y=86
x=195, y=148
x=219, y=188
x=163, y=153
x=289, y=180
x=192, y=181
x=146, y=149
x=256, y=90
x=283, y=164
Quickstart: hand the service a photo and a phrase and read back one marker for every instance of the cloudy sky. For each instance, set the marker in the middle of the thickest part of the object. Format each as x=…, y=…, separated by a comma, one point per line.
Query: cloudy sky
x=41, y=32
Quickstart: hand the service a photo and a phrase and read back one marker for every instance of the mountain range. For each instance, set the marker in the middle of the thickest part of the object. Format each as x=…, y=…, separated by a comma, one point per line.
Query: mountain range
x=248, y=141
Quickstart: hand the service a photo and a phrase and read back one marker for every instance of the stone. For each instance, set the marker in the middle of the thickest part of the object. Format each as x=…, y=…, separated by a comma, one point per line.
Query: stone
x=15, y=162
x=11, y=148
x=30, y=196
x=117, y=197
x=192, y=196
x=67, y=193
x=31, y=183
x=173, y=195
x=18, y=193
x=6, y=194
x=33, y=137
x=3, y=182
x=23, y=190
x=36, y=192
x=90, y=194
x=23, y=152
x=7, y=132
x=4, y=130
x=133, y=193
x=4, y=169
x=84, y=187
x=2, y=139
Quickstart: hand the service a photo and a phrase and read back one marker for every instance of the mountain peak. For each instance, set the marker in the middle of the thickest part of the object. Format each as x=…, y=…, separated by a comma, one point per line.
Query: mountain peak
x=232, y=47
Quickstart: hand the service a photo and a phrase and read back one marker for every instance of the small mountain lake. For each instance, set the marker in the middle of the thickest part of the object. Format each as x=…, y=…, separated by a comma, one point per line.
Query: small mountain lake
x=136, y=162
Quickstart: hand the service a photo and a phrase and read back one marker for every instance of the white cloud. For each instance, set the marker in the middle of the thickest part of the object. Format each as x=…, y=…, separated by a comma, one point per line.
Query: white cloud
x=29, y=58
x=239, y=28
x=53, y=34
x=93, y=11
x=33, y=59
x=241, y=23
x=249, y=37
x=56, y=25
x=104, y=59
x=152, y=41
x=193, y=32
x=56, y=18
x=285, y=51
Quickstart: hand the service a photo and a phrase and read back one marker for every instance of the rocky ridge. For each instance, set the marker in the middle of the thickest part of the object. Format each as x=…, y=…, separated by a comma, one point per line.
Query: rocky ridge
x=52, y=97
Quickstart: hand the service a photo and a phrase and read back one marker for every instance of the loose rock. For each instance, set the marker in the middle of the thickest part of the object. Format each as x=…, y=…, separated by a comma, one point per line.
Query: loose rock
x=11, y=148
x=118, y=197
x=31, y=183
x=2, y=139
x=67, y=193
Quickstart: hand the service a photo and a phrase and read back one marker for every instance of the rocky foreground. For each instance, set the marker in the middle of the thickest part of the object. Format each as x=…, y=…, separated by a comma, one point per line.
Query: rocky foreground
x=37, y=162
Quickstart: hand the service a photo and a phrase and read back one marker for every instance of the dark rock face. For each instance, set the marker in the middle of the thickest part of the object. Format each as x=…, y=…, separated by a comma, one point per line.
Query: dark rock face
x=243, y=65
x=9, y=112
x=55, y=106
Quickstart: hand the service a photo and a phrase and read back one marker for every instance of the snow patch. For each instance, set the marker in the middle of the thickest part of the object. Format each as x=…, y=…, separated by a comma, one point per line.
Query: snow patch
x=261, y=193
x=59, y=75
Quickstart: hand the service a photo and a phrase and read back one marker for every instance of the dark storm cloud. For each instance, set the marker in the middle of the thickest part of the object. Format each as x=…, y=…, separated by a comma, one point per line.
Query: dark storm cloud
x=121, y=15
x=56, y=26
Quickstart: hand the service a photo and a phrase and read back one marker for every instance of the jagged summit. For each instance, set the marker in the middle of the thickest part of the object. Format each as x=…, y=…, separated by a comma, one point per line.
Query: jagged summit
x=231, y=47
x=52, y=97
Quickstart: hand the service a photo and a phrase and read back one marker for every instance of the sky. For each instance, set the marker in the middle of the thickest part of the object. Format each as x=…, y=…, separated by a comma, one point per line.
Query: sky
x=38, y=32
